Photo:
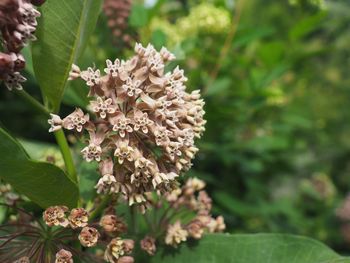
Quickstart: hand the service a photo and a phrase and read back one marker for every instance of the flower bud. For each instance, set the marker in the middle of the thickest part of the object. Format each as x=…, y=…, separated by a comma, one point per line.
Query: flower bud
x=126, y=259
x=148, y=244
x=78, y=218
x=113, y=224
x=22, y=260
x=128, y=245
x=195, y=229
x=64, y=256
x=88, y=236
x=55, y=216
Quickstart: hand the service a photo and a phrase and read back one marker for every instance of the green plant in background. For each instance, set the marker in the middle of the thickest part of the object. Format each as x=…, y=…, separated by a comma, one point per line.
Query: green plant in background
x=274, y=155
x=317, y=3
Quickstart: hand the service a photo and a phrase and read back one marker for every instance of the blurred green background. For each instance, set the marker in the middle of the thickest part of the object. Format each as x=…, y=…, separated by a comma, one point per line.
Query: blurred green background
x=275, y=78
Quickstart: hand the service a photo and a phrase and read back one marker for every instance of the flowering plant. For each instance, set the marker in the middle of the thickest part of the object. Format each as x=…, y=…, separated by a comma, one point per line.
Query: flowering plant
x=117, y=185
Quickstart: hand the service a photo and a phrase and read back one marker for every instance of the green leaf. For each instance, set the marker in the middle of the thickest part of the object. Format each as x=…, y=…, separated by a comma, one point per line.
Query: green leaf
x=43, y=183
x=306, y=26
x=259, y=248
x=64, y=28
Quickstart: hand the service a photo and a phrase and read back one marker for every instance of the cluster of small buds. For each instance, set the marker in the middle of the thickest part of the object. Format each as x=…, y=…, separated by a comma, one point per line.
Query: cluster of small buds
x=64, y=256
x=118, y=250
x=17, y=24
x=148, y=244
x=143, y=126
x=192, y=198
x=117, y=13
x=78, y=218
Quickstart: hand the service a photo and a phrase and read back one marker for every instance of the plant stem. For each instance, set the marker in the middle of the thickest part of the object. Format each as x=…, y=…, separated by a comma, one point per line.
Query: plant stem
x=226, y=47
x=60, y=137
x=133, y=219
x=100, y=207
x=32, y=101
x=67, y=155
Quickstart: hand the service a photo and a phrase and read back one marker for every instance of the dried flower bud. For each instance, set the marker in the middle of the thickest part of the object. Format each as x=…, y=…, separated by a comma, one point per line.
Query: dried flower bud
x=64, y=256
x=148, y=244
x=115, y=250
x=78, y=218
x=22, y=260
x=175, y=234
x=204, y=202
x=216, y=225
x=113, y=224
x=128, y=245
x=193, y=185
x=89, y=236
x=195, y=229
x=55, y=216
x=126, y=259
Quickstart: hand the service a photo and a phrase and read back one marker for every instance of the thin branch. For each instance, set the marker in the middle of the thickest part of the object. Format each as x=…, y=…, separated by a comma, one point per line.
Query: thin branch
x=228, y=43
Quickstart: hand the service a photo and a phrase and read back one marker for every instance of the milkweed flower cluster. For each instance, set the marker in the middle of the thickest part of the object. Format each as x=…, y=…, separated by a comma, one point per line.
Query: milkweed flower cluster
x=17, y=24
x=117, y=13
x=142, y=124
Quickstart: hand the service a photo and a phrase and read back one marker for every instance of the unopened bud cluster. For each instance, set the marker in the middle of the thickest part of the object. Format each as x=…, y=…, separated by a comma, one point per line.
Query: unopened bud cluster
x=117, y=13
x=77, y=219
x=17, y=24
x=142, y=126
x=118, y=250
x=193, y=224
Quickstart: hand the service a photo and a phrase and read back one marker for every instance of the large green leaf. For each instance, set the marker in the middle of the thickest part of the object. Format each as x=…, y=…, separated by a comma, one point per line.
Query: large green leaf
x=63, y=30
x=44, y=183
x=259, y=248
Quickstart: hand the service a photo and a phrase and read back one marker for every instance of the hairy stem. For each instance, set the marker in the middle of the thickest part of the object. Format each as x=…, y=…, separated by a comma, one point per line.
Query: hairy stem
x=228, y=43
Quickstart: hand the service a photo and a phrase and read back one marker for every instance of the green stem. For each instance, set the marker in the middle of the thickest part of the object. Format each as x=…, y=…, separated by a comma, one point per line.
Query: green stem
x=67, y=155
x=32, y=101
x=133, y=219
x=60, y=137
x=100, y=207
